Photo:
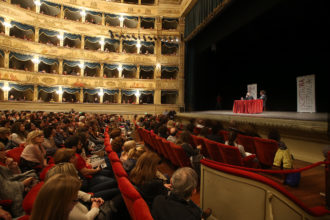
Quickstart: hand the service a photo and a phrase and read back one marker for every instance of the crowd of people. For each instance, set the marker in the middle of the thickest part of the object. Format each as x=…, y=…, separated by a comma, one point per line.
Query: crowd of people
x=60, y=147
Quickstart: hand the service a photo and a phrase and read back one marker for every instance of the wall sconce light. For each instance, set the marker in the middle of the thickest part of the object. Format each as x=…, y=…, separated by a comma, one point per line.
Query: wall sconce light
x=6, y=88
x=83, y=13
x=121, y=18
x=137, y=94
x=81, y=66
x=36, y=60
x=60, y=37
x=37, y=3
x=120, y=69
x=7, y=24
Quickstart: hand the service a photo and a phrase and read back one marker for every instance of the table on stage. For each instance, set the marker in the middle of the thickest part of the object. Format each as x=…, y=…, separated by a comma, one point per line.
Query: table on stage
x=248, y=106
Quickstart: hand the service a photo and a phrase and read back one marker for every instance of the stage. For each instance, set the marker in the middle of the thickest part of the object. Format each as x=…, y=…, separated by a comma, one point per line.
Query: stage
x=305, y=133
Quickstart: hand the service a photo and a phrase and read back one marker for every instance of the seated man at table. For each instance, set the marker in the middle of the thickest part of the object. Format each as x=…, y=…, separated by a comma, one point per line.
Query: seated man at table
x=248, y=96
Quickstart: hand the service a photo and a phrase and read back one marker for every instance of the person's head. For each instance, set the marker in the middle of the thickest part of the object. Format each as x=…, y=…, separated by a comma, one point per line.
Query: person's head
x=274, y=135
x=4, y=133
x=145, y=168
x=185, y=137
x=232, y=137
x=173, y=131
x=73, y=142
x=56, y=198
x=136, y=152
x=117, y=144
x=49, y=131
x=35, y=137
x=184, y=182
x=62, y=168
x=128, y=145
x=162, y=130
x=64, y=155
x=204, y=131
x=19, y=129
x=262, y=92
x=2, y=151
x=248, y=94
x=116, y=132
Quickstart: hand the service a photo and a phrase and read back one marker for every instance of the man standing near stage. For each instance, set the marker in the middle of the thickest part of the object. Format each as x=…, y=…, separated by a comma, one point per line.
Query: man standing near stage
x=218, y=104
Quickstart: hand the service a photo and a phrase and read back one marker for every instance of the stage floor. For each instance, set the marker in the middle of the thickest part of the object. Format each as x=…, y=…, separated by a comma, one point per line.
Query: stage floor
x=267, y=114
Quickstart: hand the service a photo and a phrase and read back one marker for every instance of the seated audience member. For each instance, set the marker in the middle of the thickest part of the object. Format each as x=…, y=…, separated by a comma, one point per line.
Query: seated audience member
x=49, y=143
x=13, y=184
x=172, y=136
x=117, y=145
x=232, y=142
x=192, y=152
x=283, y=157
x=215, y=136
x=5, y=215
x=79, y=211
x=116, y=132
x=56, y=198
x=163, y=132
x=18, y=134
x=132, y=156
x=33, y=155
x=144, y=177
x=4, y=137
x=205, y=131
x=128, y=145
x=178, y=204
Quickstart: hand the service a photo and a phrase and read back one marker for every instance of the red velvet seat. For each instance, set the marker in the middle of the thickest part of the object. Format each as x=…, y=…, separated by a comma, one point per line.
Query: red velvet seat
x=224, y=134
x=118, y=170
x=154, y=144
x=24, y=217
x=161, y=147
x=214, y=150
x=181, y=156
x=265, y=151
x=170, y=152
x=231, y=155
x=15, y=153
x=136, y=206
x=45, y=170
x=200, y=141
x=31, y=197
x=247, y=142
x=113, y=157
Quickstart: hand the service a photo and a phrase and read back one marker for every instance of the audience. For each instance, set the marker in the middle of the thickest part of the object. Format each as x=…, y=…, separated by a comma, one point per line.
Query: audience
x=232, y=142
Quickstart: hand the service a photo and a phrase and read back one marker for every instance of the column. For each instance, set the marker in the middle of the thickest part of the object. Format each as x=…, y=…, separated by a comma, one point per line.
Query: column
x=156, y=2
x=36, y=34
x=138, y=72
x=61, y=37
x=83, y=16
x=101, y=70
x=119, y=96
x=60, y=94
x=37, y=3
x=62, y=12
x=120, y=70
x=158, y=49
x=157, y=72
x=36, y=62
x=103, y=19
x=35, y=93
x=81, y=95
x=157, y=97
x=102, y=43
x=121, y=45
x=138, y=46
x=5, y=91
x=139, y=19
x=101, y=94
x=82, y=46
x=137, y=97
x=60, y=67
x=6, y=60
x=139, y=2
x=7, y=27
x=82, y=68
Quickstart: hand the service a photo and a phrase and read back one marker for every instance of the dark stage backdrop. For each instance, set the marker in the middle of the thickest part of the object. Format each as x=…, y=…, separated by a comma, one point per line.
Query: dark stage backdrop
x=275, y=47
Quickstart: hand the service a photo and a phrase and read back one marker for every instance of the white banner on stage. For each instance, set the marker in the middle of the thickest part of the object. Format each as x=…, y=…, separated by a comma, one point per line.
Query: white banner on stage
x=306, y=93
x=252, y=89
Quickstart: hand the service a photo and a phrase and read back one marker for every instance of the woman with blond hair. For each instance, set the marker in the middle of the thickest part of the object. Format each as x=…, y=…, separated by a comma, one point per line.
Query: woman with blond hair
x=132, y=156
x=33, y=155
x=128, y=145
x=144, y=176
x=56, y=198
x=79, y=211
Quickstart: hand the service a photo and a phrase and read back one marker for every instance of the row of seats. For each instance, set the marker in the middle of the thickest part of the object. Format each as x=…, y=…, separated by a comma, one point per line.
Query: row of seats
x=136, y=206
x=263, y=149
x=169, y=150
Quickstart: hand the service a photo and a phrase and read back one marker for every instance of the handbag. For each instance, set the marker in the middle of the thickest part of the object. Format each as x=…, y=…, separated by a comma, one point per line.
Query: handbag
x=292, y=179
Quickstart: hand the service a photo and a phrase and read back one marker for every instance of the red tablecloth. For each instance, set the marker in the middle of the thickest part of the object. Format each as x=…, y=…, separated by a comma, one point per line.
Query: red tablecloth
x=248, y=106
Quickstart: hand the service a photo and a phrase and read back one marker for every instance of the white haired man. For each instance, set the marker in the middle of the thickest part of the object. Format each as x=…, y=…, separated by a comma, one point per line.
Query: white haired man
x=178, y=205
